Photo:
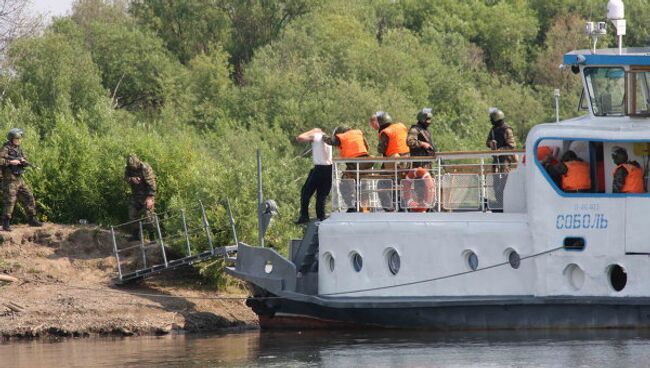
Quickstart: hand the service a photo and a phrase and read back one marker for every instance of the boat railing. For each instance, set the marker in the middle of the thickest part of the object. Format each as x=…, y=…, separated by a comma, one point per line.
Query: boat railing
x=448, y=181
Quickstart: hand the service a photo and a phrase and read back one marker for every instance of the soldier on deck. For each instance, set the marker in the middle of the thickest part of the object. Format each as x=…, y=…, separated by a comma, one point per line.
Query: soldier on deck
x=419, y=138
x=13, y=163
x=392, y=143
x=142, y=180
x=501, y=137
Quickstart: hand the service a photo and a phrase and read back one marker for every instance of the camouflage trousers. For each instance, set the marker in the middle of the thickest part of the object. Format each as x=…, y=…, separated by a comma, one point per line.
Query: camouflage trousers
x=138, y=209
x=16, y=189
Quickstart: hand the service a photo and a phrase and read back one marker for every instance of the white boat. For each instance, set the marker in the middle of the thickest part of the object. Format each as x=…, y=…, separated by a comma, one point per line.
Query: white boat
x=535, y=257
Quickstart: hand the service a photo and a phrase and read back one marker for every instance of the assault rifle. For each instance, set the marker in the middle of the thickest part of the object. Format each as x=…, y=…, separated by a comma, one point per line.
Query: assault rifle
x=19, y=169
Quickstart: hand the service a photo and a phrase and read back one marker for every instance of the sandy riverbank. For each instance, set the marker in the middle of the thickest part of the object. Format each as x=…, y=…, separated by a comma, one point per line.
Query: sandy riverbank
x=65, y=289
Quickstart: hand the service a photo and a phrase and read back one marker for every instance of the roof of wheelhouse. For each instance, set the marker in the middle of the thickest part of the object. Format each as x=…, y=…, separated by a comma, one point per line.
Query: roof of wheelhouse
x=630, y=56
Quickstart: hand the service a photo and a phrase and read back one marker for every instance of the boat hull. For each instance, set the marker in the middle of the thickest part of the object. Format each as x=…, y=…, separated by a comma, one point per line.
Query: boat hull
x=546, y=313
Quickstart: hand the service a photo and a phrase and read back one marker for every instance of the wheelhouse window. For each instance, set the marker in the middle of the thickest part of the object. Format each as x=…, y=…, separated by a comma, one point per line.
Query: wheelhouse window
x=606, y=89
x=639, y=87
x=586, y=166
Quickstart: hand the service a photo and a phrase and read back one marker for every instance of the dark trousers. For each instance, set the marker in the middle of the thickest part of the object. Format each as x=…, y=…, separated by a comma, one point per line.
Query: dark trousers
x=318, y=181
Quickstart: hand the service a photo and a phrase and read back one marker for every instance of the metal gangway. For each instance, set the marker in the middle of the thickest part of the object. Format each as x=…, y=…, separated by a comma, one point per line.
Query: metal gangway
x=455, y=181
x=137, y=259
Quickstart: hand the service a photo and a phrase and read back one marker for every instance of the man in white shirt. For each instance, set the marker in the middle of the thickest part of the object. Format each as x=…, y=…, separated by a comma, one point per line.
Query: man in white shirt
x=319, y=180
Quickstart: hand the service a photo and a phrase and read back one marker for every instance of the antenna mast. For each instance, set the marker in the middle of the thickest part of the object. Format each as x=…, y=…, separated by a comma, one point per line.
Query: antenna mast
x=616, y=15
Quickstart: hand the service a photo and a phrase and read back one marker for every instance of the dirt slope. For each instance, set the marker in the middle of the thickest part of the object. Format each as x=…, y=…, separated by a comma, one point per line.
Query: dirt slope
x=65, y=289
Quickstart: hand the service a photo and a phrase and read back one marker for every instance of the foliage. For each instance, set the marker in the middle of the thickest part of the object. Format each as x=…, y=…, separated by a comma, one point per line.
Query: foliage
x=195, y=87
x=55, y=75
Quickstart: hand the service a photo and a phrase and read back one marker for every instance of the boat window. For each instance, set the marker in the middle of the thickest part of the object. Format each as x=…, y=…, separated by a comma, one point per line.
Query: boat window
x=329, y=261
x=583, y=105
x=471, y=259
x=357, y=261
x=640, y=92
x=514, y=259
x=606, y=88
x=393, y=261
x=585, y=167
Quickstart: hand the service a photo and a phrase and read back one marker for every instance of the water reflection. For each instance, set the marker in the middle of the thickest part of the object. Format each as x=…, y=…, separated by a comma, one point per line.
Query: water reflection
x=342, y=349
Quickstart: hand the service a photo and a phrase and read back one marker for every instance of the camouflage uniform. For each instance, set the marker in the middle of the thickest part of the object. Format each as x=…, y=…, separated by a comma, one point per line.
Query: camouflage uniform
x=13, y=185
x=146, y=187
x=505, y=140
x=418, y=134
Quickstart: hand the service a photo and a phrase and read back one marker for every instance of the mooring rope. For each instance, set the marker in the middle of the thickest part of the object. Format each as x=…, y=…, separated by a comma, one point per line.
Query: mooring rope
x=152, y=295
x=439, y=277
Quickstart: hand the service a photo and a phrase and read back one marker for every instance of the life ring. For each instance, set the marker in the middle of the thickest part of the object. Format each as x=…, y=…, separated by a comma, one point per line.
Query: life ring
x=424, y=201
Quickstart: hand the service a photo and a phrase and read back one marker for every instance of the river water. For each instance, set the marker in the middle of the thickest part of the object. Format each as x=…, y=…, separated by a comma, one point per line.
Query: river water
x=341, y=349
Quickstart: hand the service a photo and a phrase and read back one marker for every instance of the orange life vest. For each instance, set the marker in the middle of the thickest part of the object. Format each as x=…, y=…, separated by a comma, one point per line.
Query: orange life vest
x=427, y=198
x=634, y=179
x=396, y=134
x=352, y=144
x=543, y=151
x=577, y=176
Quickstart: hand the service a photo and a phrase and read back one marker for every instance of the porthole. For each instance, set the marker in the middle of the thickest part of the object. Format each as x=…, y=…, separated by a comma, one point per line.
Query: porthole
x=393, y=261
x=268, y=266
x=471, y=259
x=575, y=276
x=617, y=277
x=357, y=261
x=329, y=261
x=514, y=259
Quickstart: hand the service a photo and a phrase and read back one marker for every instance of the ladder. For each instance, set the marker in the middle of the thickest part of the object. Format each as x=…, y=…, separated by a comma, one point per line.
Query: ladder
x=146, y=258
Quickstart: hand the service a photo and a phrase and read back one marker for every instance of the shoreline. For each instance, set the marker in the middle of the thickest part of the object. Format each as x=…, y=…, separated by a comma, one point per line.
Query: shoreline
x=64, y=290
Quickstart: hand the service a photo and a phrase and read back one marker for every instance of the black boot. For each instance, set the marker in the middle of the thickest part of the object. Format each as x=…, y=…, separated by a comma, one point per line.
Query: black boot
x=6, y=226
x=33, y=221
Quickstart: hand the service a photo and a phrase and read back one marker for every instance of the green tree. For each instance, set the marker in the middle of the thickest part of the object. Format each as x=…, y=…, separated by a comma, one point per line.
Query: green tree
x=56, y=76
x=134, y=64
x=187, y=27
x=506, y=32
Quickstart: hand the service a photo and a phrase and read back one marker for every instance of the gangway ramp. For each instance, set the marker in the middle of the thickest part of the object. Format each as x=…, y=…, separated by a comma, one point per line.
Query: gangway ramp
x=174, y=241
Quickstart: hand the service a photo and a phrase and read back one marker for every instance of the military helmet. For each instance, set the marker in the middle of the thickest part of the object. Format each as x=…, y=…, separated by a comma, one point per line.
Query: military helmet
x=340, y=129
x=15, y=133
x=619, y=155
x=569, y=156
x=496, y=115
x=424, y=115
x=383, y=118
x=133, y=161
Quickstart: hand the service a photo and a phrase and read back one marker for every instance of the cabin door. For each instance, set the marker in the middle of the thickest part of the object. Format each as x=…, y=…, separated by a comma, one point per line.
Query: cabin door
x=637, y=225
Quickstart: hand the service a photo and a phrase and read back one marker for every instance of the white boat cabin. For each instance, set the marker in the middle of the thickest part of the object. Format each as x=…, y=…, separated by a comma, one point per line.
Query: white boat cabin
x=503, y=230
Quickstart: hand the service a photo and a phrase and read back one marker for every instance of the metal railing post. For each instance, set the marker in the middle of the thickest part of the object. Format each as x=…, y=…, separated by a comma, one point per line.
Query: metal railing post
x=396, y=201
x=335, y=182
x=357, y=187
x=117, y=254
x=144, y=255
x=260, y=202
x=162, y=243
x=206, y=226
x=187, y=236
x=232, y=222
x=483, y=186
x=439, y=183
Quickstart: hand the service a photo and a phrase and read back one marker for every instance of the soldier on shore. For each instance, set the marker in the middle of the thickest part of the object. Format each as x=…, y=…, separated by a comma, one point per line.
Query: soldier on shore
x=13, y=163
x=142, y=180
